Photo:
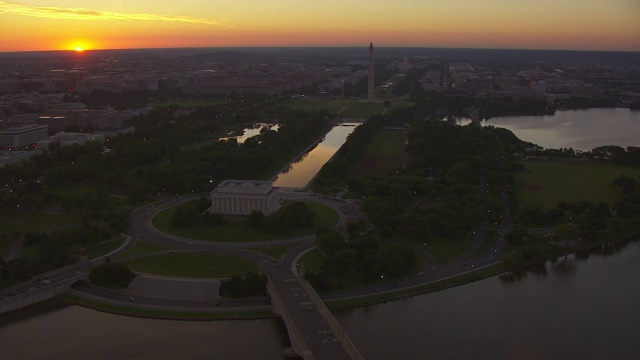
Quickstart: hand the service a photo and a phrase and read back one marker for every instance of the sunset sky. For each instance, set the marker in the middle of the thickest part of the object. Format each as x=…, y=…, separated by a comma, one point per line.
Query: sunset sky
x=115, y=24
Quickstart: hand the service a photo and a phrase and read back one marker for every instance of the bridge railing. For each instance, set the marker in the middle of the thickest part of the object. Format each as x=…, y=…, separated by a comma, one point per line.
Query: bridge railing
x=342, y=337
x=298, y=342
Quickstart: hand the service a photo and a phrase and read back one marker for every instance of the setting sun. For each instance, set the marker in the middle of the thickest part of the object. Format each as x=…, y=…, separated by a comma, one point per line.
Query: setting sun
x=79, y=49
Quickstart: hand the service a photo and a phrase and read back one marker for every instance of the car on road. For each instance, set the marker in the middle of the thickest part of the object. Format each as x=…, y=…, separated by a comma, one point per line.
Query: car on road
x=131, y=298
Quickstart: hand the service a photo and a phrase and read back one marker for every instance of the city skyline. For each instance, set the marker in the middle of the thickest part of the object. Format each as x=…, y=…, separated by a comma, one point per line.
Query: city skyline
x=35, y=25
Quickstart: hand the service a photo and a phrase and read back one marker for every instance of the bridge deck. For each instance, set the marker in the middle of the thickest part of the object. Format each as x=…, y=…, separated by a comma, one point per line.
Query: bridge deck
x=306, y=318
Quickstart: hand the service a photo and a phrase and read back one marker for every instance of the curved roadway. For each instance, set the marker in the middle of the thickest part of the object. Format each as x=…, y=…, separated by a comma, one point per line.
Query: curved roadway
x=142, y=228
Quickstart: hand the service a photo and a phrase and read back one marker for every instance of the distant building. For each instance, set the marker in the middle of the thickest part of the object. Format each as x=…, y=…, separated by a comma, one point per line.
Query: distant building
x=22, y=136
x=242, y=197
x=68, y=139
x=16, y=157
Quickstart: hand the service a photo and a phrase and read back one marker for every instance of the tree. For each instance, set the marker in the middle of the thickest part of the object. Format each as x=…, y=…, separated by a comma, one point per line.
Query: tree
x=115, y=275
x=255, y=219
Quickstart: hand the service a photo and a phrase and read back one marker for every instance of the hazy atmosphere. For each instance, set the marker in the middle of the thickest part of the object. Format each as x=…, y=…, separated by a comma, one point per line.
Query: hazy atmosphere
x=566, y=24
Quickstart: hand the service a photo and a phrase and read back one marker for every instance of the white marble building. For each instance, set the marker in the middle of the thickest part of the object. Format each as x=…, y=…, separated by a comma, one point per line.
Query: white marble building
x=241, y=197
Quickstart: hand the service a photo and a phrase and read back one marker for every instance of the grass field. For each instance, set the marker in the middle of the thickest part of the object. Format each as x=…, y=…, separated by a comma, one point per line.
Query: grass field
x=444, y=250
x=141, y=247
x=348, y=108
x=194, y=265
x=312, y=260
x=103, y=248
x=383, y=154
x=544, y=184
x=236, y=232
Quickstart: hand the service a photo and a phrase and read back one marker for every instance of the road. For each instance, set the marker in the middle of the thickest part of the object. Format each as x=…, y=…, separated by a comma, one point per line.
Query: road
x=141, y=228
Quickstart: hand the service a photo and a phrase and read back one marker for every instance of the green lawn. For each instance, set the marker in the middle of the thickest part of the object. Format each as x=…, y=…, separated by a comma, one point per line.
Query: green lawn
x=237, y=232
x=444, y=250
x=544, y=184
x=194, y=265
x=312, y=260
x=348, y=108
x=141, y=247
x=103, y=248
x=387, y=143
x=383, y=154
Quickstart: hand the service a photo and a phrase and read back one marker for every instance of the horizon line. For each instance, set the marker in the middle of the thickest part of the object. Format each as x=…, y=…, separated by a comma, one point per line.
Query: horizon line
x=318, y=47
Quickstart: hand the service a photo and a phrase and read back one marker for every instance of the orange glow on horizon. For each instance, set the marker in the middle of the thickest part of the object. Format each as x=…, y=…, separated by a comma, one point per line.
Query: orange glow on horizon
x=192, y=23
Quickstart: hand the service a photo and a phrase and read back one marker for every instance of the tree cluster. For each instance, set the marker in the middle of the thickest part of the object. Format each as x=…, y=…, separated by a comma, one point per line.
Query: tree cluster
x=110, y=274
x=289, y=217
x=362, y=258
x=195, y=213
x=252, y=284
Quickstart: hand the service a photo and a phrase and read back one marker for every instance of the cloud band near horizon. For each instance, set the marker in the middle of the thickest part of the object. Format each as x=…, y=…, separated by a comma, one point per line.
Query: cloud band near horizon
x=92, y=15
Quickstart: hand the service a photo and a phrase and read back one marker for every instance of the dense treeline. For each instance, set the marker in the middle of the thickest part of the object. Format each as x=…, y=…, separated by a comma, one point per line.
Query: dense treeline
x=363, y=259
x=289, y=217
x=109, y=274
x=454, y=181
x=195, y=213
x=48, y=251
x=143, y=164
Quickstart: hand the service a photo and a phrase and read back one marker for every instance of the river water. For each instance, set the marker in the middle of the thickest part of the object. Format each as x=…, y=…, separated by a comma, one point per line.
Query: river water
x=578, y=129
x=581, y=308
x=577, y=309
x=585, y=309
x=302, y=171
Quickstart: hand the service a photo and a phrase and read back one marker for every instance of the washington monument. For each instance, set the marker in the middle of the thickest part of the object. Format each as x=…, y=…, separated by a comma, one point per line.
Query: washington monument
x=371, y=86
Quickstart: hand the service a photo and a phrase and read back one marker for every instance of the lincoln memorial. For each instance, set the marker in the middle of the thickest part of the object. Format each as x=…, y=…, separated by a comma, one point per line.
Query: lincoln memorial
x=241, y=197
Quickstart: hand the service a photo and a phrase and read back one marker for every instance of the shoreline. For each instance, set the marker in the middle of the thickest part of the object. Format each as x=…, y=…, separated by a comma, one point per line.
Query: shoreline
x=344, y=304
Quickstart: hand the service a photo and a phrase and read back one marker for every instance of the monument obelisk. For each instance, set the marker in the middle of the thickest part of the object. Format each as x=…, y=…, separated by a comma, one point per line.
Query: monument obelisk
x=370, y=85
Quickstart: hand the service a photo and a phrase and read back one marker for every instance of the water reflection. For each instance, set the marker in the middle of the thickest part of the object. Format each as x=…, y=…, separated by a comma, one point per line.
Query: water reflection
x=302, y=171
x=568, y=264
x=250, y=132
x=77, y=333
x=513, y=276
x=544, y=315
x=577, y=129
